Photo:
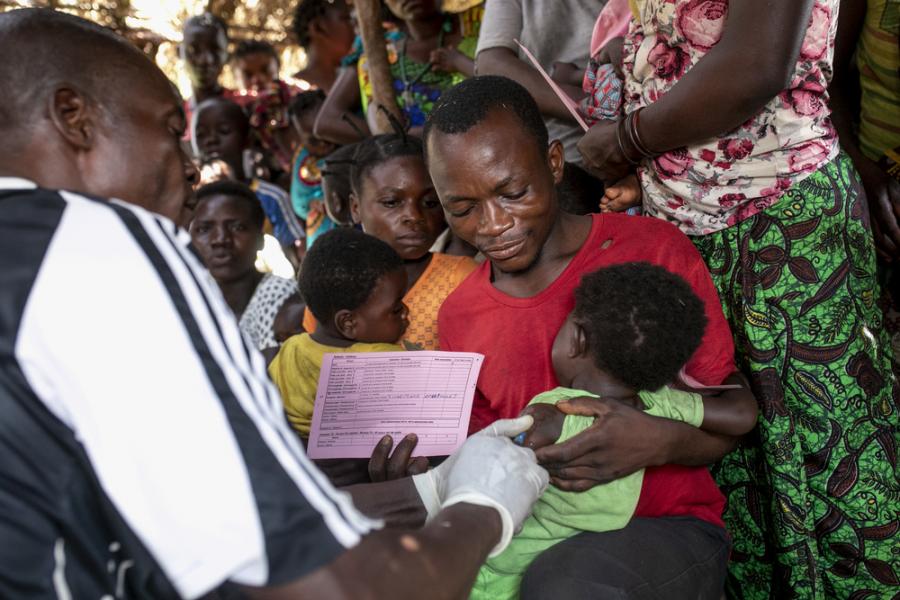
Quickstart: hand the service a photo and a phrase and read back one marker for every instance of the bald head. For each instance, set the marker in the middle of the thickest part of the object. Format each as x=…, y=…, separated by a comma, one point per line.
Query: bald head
x=43, y=49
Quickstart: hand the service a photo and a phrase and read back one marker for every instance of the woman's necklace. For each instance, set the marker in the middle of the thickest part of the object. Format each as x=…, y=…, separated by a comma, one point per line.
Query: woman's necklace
x=407, y=93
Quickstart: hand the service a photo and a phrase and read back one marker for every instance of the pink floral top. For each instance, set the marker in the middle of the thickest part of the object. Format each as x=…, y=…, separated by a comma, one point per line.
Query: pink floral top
x=711, y=186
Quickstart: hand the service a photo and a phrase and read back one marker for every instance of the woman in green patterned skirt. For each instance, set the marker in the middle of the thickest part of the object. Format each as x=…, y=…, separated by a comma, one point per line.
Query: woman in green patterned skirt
x=750, y=167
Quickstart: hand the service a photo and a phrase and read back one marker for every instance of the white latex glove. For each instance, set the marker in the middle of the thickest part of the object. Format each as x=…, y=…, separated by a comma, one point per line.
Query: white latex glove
x=432, y=485
x=488, y=470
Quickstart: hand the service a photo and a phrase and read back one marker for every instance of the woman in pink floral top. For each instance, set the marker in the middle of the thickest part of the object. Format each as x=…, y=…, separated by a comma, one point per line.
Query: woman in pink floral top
x=728, y=128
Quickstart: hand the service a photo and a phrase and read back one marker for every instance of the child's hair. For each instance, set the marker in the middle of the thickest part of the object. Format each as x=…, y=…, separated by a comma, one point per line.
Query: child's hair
x=207, y=19
x=341, y=270
x=337, y=169
x=306, y=12
x=642, y=322
x=248, y=47
x=305, y=102
x=235, y=190
x=579, y=192
x=375, y=150
x=234, y=110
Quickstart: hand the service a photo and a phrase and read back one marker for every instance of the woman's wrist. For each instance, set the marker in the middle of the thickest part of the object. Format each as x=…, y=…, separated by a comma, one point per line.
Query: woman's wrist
x=622, y=138
x=633, y=138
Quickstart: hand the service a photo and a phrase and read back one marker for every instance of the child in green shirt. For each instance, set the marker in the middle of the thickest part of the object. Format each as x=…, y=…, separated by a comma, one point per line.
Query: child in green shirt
x=634, y=327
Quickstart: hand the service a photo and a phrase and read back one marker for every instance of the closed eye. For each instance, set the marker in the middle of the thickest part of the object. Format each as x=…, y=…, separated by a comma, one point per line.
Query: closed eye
x=516, y=195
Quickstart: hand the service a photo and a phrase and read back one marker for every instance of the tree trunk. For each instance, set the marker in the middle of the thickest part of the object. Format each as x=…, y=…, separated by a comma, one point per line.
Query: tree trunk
x=368, y=14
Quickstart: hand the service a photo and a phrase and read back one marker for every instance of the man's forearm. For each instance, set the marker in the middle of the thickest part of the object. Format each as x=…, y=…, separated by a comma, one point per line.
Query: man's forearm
x=503, y=61
x=439, y=561
x=397, y=502
x=682, y=444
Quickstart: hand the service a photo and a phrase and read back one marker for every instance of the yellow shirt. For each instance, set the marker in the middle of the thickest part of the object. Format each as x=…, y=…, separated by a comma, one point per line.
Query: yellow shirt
x=295, y=371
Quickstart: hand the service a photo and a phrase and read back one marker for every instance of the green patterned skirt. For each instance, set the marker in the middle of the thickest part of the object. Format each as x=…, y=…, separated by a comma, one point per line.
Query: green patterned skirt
x=813, y=493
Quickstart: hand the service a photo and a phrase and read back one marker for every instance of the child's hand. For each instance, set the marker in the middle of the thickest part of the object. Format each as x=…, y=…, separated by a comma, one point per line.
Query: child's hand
x=548, y=424
x=451, y=60
x=611, y=54
x=624, y=194
x=566, y=73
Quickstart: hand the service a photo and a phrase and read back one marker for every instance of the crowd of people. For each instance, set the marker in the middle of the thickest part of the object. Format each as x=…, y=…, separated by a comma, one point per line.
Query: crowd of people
x=673, y=242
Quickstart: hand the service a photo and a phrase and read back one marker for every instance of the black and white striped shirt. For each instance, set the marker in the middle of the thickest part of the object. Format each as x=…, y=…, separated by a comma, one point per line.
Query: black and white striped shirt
x=143, y=451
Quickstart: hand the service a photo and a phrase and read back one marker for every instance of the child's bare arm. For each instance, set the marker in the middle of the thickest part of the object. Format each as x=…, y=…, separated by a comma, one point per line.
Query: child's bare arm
x=730, y=412
x=547, y=427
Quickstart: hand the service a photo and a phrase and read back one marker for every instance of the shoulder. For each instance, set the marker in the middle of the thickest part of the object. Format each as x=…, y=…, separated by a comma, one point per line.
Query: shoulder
x=654, y=240
x=466, y=292
x=264, y=187
x=292, y=348
x=457, y=267
x=376, y=347
x=277, y=286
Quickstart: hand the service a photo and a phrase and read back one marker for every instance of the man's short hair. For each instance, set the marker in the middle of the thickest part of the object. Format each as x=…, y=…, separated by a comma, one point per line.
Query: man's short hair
x=237, y=191
x=642, y=322
x=43, y=48
x=341, y=269
x=467, y=104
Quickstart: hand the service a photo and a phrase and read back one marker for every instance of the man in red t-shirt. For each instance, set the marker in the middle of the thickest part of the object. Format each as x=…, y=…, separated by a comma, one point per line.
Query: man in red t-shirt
x=496, y=175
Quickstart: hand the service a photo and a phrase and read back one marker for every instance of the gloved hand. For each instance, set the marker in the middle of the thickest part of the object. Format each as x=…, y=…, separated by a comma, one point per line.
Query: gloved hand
x=432, y=485
x=488, y=470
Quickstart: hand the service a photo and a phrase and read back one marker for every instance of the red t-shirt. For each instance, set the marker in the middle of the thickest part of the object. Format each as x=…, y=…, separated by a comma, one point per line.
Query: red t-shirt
x=516, y=335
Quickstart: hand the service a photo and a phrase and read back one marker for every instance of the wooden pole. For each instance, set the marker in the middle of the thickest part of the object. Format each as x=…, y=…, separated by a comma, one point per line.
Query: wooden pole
x=368, y=15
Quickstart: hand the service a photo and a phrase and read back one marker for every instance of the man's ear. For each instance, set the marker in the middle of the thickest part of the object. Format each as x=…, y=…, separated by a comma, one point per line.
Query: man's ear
x=354, y=208
x=556, y=159
x=260, y=242
x=346, y=323
x=579, y=345
x=74, y=116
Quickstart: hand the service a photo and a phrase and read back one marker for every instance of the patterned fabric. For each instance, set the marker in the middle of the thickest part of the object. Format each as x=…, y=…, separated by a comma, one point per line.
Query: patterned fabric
x=425, y=297
x=425, y=86
x=812, y=502
x=306, y=195
x=711, y=186
x=878, y=59
x=269, y=120
x=259, y=316
x=277, y=205
x=604, y=93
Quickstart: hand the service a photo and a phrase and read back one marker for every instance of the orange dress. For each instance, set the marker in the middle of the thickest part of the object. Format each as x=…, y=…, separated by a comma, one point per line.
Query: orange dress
x=424, y=299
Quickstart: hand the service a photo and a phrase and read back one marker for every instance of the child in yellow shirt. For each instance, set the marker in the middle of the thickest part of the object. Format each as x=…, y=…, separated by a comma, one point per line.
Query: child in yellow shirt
x=353, y=284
